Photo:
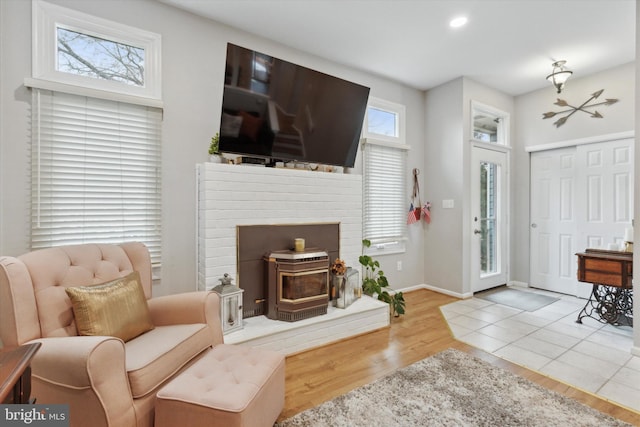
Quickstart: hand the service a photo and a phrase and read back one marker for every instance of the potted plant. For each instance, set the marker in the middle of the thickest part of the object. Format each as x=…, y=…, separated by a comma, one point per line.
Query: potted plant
x=374, y=282
x=214, y=146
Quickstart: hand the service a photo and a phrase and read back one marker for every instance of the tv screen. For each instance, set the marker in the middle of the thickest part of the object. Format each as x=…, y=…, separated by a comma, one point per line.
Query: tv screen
x=282, y=111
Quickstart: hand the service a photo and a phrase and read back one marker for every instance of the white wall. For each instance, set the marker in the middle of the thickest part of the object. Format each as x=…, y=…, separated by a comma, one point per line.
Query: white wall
x=447, y=159
x=443, y=179
x=617, y=82
x=532, y=130
x=193, y=62
x=447, y=152
x=14, y=126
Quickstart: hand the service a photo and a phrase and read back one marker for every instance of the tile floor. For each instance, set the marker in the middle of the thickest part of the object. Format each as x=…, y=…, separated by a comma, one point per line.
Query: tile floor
x=591, y=356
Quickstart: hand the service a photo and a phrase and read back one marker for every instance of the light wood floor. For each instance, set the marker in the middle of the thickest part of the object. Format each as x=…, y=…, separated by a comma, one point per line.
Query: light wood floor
x=320, y=374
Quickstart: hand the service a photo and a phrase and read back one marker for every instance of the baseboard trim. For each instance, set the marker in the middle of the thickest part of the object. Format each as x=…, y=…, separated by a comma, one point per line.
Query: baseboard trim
x=464, y=295
x=518, y=283
x=437, y=289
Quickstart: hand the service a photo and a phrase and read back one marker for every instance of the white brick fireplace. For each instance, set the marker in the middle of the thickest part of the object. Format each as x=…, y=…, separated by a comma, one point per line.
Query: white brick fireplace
x=230, y=195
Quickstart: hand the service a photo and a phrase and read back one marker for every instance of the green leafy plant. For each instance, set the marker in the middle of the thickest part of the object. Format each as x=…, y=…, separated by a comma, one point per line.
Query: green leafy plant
x=215, y=144
x=374, y=282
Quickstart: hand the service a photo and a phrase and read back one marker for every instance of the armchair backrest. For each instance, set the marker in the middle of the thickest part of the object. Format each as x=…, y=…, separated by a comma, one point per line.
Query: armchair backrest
x=33, y=301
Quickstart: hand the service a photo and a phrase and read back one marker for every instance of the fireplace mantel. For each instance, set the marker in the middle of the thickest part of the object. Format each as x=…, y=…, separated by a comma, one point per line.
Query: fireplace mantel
x=233, y=195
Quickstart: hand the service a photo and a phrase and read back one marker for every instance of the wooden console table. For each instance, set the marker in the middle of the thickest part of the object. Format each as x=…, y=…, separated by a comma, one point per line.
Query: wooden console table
x=15, y=374
x=610, y=273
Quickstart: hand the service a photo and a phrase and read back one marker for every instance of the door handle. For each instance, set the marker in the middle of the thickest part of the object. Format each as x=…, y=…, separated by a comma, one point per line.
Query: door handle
x=476, y=231
x=534, y=225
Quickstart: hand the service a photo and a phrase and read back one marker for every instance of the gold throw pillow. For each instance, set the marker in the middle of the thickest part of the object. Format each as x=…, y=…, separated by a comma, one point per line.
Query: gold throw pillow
x=117, y=308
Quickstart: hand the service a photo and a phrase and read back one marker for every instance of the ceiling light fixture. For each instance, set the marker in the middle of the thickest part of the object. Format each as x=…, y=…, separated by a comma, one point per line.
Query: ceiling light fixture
x=458, y=22
x=559, y=75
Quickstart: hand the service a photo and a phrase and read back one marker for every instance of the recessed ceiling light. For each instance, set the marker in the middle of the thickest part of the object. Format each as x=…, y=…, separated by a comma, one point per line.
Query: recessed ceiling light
x=458, y=22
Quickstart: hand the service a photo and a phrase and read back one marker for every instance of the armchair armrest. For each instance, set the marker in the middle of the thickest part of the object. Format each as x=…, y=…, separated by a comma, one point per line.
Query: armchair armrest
x=89, y=374
x=187, y=308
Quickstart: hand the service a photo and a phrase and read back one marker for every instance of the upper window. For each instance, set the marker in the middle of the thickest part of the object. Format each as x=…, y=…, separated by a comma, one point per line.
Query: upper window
x=489, y=125
x=385, y=196
x=82, y=50
x=384, y=120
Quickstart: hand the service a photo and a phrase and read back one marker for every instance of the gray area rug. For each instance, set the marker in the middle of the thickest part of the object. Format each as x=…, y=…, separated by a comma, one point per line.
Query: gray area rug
x=451, y=388
x=527, y=301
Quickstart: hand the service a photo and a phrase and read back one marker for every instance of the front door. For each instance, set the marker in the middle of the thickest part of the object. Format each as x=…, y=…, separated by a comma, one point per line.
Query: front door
x=488, y=218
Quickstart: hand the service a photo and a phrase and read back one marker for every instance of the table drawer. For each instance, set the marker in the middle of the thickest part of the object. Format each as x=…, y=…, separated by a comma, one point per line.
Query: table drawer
x=603, y=265
x=605, y=269
x=602, y=278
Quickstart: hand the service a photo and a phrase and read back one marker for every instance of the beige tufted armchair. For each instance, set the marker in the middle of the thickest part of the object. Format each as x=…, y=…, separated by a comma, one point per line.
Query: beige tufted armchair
x=106, y=381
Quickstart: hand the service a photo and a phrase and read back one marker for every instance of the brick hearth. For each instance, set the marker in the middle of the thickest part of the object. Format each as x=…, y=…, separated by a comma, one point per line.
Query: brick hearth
x=364, y=315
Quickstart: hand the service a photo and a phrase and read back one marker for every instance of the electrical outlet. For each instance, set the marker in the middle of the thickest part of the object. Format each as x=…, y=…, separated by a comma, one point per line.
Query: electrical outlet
x=399, y=265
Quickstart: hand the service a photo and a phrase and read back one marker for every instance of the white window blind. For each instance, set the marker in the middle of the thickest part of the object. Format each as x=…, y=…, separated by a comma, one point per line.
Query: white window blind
x=95, y=172
x=385, y=196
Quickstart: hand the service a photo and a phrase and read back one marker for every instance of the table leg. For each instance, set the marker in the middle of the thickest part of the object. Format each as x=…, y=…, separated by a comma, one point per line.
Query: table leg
x=609, y=304
x=591, y=304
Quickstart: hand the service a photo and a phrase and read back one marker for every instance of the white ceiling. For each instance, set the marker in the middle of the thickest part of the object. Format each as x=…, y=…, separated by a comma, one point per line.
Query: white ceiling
x=507, y=44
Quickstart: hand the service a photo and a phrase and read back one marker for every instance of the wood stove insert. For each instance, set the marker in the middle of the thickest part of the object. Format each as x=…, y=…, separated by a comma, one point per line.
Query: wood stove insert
x=297, y=284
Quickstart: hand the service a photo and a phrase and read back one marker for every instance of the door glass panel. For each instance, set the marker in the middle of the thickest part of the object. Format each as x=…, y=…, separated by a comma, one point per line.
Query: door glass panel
x=485, y=128
x=488, y=218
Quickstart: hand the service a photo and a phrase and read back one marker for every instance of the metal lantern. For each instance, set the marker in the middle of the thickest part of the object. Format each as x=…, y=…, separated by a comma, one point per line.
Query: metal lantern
x=230, y=304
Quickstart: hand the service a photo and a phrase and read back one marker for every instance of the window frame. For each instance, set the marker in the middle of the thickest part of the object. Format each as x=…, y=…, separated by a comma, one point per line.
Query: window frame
x=391, y=107
x=47, y=18
x=392, y=244
x=503, y=127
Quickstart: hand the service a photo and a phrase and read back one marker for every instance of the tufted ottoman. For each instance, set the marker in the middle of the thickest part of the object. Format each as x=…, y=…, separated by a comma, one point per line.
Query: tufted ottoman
x=231, y=385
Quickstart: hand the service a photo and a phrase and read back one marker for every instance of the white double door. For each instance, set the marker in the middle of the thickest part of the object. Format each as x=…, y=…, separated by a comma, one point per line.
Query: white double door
x=581, y=197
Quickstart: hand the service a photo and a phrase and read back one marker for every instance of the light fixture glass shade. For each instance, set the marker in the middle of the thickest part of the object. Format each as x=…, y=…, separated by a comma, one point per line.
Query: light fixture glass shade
x=559, y=75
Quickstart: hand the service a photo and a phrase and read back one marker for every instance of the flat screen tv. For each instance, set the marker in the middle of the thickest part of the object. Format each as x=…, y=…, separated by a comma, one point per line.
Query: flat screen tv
x=282, y=111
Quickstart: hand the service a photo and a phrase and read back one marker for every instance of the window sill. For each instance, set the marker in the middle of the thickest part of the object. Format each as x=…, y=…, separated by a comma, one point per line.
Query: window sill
x=382, y=249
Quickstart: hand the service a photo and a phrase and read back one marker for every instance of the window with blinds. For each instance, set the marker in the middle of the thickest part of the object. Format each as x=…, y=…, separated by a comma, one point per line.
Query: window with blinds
x=385, y=199
x=95, y=172
x=385, y=164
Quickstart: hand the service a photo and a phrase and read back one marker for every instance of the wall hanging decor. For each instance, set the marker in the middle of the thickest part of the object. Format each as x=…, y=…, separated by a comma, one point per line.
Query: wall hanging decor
x=584, y=107
x=426, y=212
x=415, y=210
